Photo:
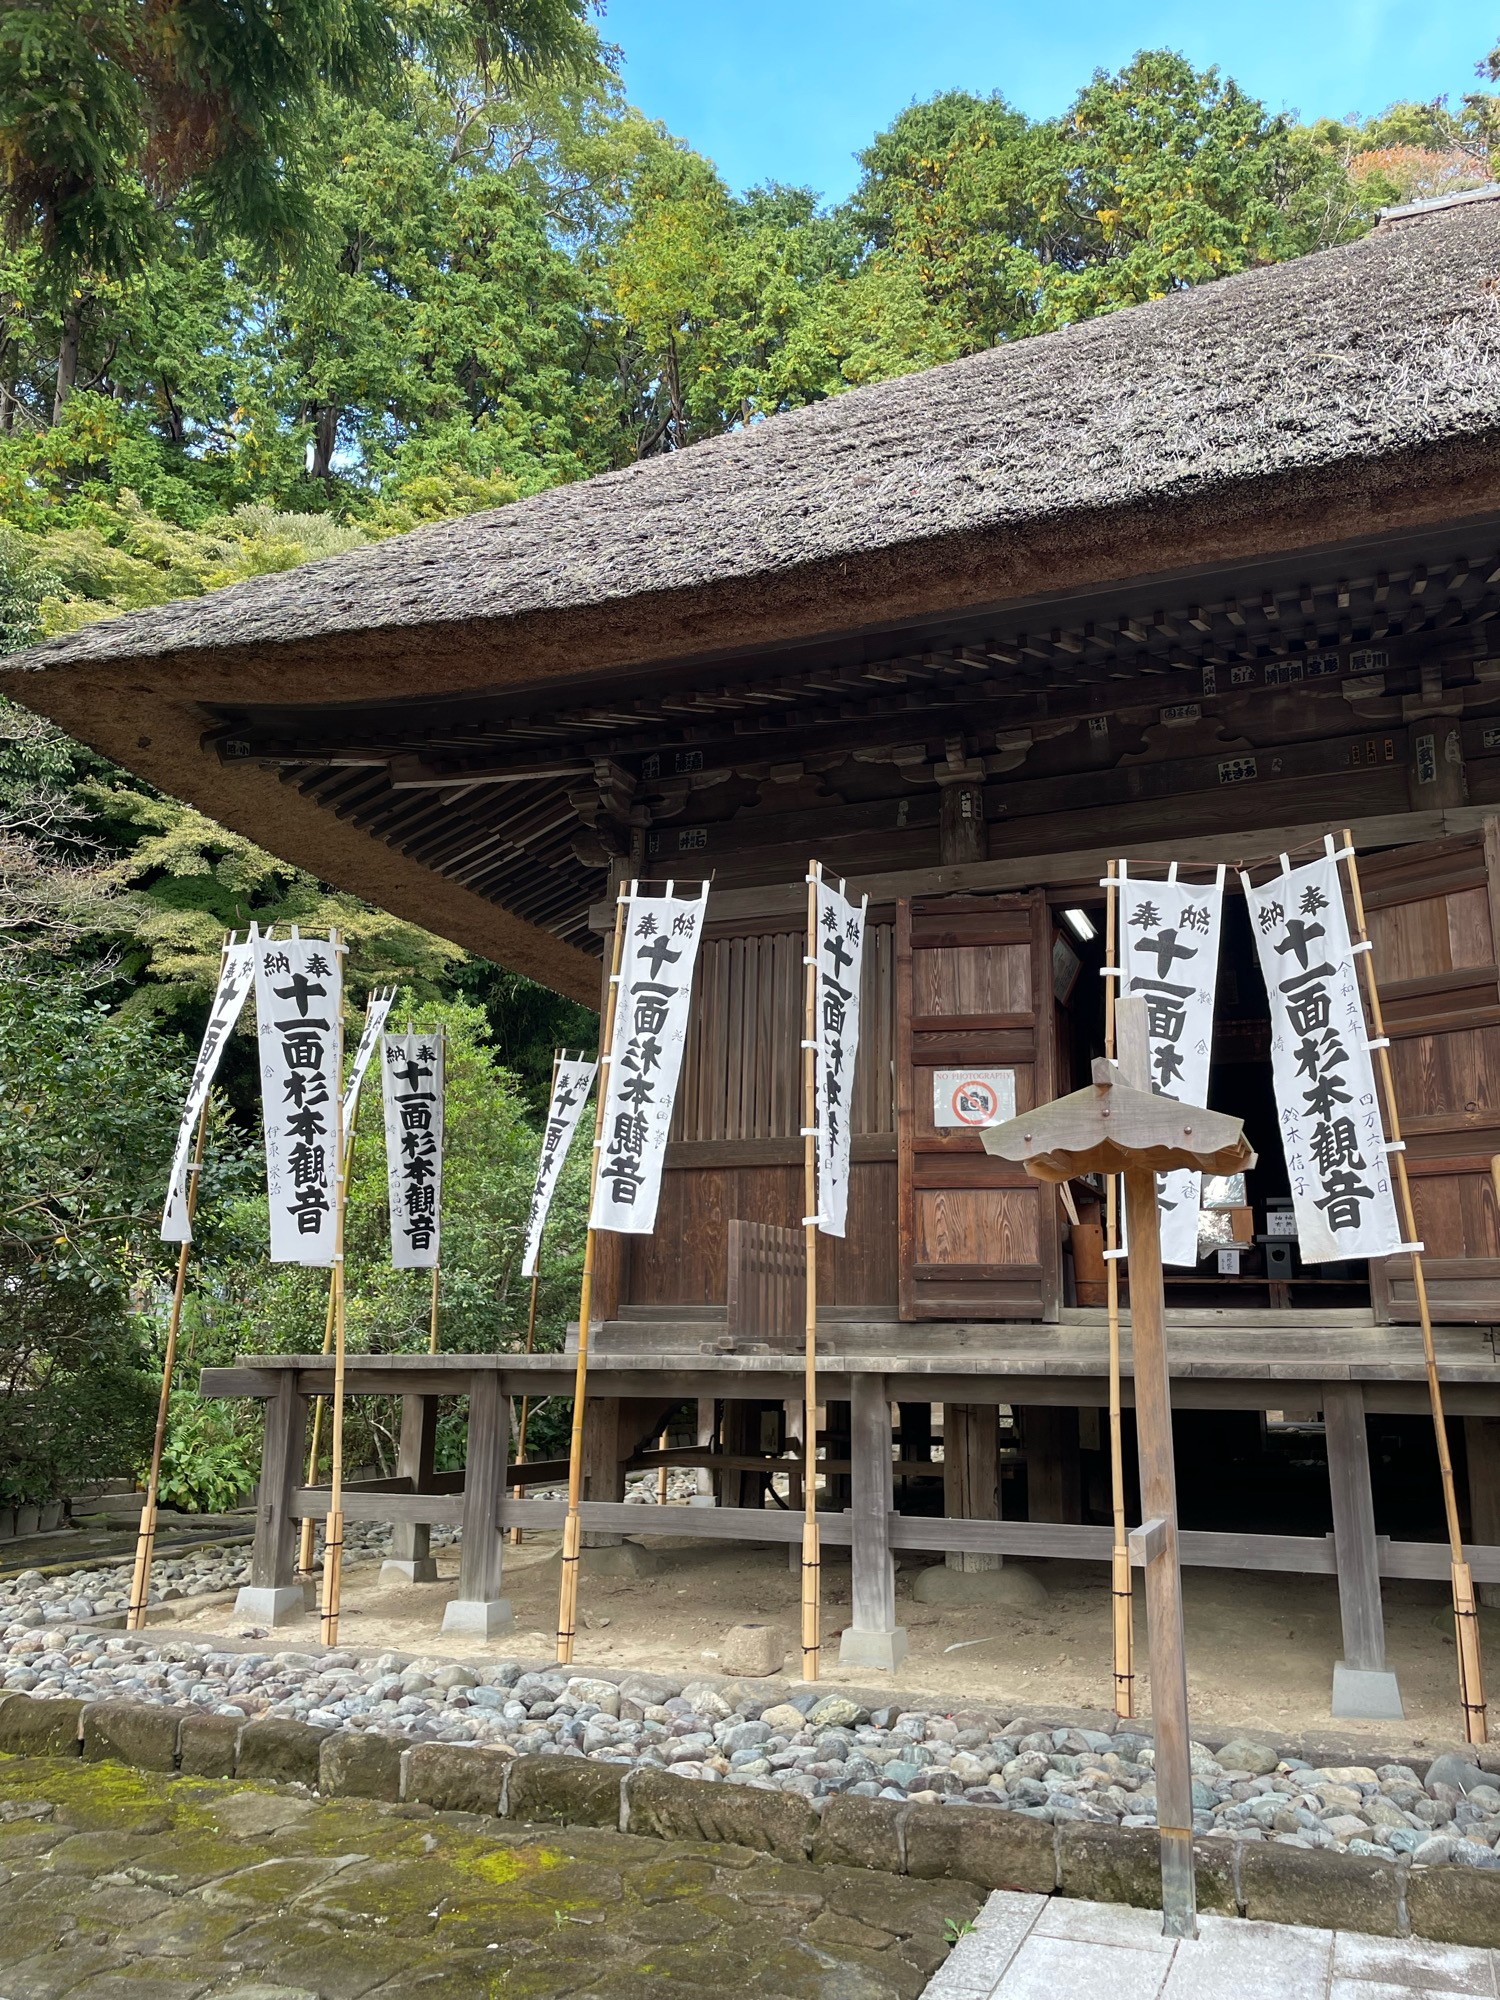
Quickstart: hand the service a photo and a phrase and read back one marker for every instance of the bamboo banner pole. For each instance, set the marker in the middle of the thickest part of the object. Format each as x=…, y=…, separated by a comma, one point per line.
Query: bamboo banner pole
x=1465, y=1611
x=518, y=1491
x=1121, y=1602
x=333, y=1531
x=145, y=1547
x=567, y=1604
x=812, y=1577
x=432, y=1325
x=305, y=1539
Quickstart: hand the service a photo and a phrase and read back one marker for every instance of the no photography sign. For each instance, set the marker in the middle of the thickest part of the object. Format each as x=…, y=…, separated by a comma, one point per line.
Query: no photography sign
x=974, y=1098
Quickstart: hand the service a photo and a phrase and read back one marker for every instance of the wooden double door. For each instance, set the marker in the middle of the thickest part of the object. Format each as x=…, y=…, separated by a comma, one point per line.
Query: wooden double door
x=978, y=1238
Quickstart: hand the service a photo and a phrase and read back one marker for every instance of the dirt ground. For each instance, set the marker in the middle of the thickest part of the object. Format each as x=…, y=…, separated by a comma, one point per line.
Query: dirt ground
x=1261, y=1648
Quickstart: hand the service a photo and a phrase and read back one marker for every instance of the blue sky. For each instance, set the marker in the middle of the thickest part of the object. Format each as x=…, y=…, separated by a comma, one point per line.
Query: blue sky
x=789, y=89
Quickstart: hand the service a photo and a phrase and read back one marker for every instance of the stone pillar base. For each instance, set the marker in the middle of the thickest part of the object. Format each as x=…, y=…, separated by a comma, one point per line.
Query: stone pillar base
x=486, y=1618
x=413, y=1569
x=1362, y=1694
x=884, y=1651
x=277, y=1606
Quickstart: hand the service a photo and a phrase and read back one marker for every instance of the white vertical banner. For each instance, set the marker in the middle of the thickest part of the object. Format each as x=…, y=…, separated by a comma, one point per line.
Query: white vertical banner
x=1169, y=940
x=375, y=1015
x=570, y=1091
x=839, y=962
x=659, y=953
x=1326, y=1102
x=412, y=1085
x=298, y=989
x=235, y=980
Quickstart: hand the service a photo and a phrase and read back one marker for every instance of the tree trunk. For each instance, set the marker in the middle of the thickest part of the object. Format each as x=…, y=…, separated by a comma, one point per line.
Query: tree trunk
x=321, y=444
x=67, y=361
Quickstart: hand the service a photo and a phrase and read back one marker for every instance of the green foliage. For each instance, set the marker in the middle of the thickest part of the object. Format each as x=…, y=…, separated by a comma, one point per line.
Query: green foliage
x=88, y=1112
x=210, y=1456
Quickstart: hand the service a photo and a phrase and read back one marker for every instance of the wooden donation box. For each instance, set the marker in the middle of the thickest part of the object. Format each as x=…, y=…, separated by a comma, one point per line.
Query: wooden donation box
x=1111, y=1128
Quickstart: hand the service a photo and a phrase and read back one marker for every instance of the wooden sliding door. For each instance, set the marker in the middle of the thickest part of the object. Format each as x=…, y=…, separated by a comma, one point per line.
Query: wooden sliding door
x=979, y=1239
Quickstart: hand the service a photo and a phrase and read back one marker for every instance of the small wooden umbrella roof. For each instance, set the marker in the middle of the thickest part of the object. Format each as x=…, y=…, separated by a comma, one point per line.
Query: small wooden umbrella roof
x=1108, y=1127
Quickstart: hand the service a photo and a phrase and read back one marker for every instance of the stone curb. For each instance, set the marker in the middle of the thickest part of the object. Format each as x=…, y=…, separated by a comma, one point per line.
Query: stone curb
x=992, y=1847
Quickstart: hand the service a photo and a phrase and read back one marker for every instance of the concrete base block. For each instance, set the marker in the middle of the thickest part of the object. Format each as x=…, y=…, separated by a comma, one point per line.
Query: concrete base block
x=702, y=1500
x=884, y=1651
x=476, y=1615
x=1366, y=1695
x=396, y=1570
x=281, y=1605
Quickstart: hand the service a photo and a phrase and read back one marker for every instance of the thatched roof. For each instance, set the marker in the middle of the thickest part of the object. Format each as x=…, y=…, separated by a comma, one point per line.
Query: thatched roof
x=1385, y=347
x=1347, y=393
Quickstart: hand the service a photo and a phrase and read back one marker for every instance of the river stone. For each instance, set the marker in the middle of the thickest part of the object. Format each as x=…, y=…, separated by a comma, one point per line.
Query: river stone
x=756, y=1650
x=1463, y=1773
x=1242, y=1755
x=1008, y=1588
x=783, y=1718
x=835, y=1711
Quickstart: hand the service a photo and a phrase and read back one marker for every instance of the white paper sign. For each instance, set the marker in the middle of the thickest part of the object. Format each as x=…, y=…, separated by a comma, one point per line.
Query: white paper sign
x=1329, y=1113
x=411, y=1070
x=375, y=1013
x=841, y=957
x=570, y=1090
x=1169, y=941
x=662, y=934
x=235, y=981
x=973, y=1097
x=298, y=986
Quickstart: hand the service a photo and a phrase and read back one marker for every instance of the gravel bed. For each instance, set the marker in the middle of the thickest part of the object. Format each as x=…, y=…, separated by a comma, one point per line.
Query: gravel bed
x=804, y=1741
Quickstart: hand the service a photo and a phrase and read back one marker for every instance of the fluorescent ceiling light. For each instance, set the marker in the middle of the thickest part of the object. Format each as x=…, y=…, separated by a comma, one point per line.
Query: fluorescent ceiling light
x=1079, y=923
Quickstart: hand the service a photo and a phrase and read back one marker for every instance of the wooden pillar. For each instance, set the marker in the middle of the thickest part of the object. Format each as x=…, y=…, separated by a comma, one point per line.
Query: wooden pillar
x=872, y=1637
x=1482, y=1446
x=1054, y=1489
x=1169, y=1698
x=707, y=1429
x=273, y=1596
x=961, y=830
x=1354, y=1526
x=479, y=1606
x=971, y=1474
x=603, y=1467
x=411, y=1559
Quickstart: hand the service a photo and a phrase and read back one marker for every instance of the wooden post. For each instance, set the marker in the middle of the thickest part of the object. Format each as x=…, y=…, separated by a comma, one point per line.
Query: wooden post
x=1121, y=1603
x=812, y=1591
x=1465, y=1610
x=567, y=1606
x=411, y=1559
x=333, y=1529
x=273, y=1595
x=1354, y=1546
x=872, y=1638
x=479, y=1607
x=145, y=1548
x=971, y=1475
x=1169, y=1698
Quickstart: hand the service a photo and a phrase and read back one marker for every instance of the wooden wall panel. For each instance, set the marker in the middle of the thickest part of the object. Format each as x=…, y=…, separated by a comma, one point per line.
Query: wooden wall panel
x=684, y=1262
x=1432, y=917
x=973, y=985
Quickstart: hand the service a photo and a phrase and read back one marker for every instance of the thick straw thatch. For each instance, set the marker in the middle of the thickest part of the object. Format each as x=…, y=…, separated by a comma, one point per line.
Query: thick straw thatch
x=1379, y=350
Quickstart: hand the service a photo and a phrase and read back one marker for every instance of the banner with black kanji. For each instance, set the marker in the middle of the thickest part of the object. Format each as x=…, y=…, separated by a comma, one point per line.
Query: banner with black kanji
x=1327, y=1107
x=412, y=1087
x=570, y=1090
x=235, y=980
x=840, y=960
x=1169, y=943
x=654, y=990
x=298, y=989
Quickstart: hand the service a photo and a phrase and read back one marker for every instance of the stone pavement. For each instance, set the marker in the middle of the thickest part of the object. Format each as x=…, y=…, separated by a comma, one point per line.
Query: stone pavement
x=1048, y=1948
x=118, y=1884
